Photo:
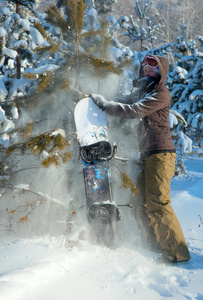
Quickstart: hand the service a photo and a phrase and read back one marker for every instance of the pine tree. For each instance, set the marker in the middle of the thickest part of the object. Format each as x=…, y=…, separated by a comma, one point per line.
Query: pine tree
x=44, y=135
x=16, y=33
x=27, y=3
x=136, y=29
x=87, y=47
x=186, y=84
x=17, y=42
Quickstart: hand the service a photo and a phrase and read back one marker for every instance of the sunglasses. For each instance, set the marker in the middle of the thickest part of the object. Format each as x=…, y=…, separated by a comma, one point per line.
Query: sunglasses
x=150, y=61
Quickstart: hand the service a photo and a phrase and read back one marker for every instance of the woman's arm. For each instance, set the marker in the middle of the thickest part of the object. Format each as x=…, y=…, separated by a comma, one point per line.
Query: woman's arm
x=147, y=105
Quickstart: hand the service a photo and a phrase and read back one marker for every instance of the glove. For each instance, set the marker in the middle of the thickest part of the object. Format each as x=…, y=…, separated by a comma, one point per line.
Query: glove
x=99, y=101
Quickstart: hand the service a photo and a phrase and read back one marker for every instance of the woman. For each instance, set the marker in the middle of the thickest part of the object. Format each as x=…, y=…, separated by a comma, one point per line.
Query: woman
x=151, y=103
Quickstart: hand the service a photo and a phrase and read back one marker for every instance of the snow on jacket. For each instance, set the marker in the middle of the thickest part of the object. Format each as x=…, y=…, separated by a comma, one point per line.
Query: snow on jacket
x=153, y=110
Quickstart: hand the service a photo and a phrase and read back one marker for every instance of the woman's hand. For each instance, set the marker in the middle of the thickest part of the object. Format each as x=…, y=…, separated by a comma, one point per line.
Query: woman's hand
x=99, y=101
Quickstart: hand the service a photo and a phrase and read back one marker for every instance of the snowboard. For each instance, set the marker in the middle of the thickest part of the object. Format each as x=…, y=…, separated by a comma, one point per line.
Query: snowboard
x=96, y=152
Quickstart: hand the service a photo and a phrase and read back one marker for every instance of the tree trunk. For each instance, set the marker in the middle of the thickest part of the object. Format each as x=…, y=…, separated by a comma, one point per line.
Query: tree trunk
x=18, y=57
x=17, y=7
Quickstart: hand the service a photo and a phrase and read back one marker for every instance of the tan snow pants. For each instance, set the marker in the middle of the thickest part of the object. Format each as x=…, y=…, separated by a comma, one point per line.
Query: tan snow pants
x=154, y=214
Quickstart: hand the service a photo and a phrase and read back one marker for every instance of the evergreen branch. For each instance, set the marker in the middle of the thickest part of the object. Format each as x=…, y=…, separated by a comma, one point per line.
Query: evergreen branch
x=30, y=76
x=54, y=159
x=80, y=15
x=43, y=142
x=54, y=17
x=51, y=160
x=149, y=6
x=42, y=49
x=43, y=32
x=67, y=13
x=133, y=23
x=154, y=19
x=45, y=81
x=53, y=47
x=105, y=40
x=12, y=29
x=105, y=47
x=179, y=117
x=126, y=182
x=137, y=9
x=91, y=33
x=26, y=130
x=65, y=84
x=17, y=146
x=101, y=65
x=146, y=9
x=75, y=16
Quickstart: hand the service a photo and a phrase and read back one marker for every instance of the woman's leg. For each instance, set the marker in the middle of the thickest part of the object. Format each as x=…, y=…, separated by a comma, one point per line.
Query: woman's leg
x=159, y=169
x=147, y=234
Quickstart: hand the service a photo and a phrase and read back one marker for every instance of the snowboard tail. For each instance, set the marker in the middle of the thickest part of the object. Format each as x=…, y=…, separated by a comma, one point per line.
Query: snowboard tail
x=102, y=212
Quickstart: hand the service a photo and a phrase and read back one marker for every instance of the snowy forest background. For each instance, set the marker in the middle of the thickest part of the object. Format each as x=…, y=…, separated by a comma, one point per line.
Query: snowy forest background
x=53, y=56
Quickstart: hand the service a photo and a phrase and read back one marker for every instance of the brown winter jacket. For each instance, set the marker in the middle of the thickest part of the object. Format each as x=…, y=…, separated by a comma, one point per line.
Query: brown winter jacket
x=153, y=110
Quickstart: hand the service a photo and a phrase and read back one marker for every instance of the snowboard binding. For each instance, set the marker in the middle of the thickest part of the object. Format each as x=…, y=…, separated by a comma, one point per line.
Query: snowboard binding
x=99, y=151
x=104, y=212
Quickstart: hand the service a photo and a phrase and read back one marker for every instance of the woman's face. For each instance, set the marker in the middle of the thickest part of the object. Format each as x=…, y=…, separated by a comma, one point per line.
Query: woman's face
x=148, y=71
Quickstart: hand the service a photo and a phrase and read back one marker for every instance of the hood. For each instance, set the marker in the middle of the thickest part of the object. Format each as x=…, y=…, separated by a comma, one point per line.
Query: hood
x=163, y=68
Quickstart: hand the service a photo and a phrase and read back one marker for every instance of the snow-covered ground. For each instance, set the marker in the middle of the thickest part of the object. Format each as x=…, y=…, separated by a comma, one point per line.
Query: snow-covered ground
x=34, y=269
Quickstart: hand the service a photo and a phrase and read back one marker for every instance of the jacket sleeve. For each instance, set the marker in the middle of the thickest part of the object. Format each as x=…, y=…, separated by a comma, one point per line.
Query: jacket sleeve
x=143, y=85
x=144, y=107
x=129, y=99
